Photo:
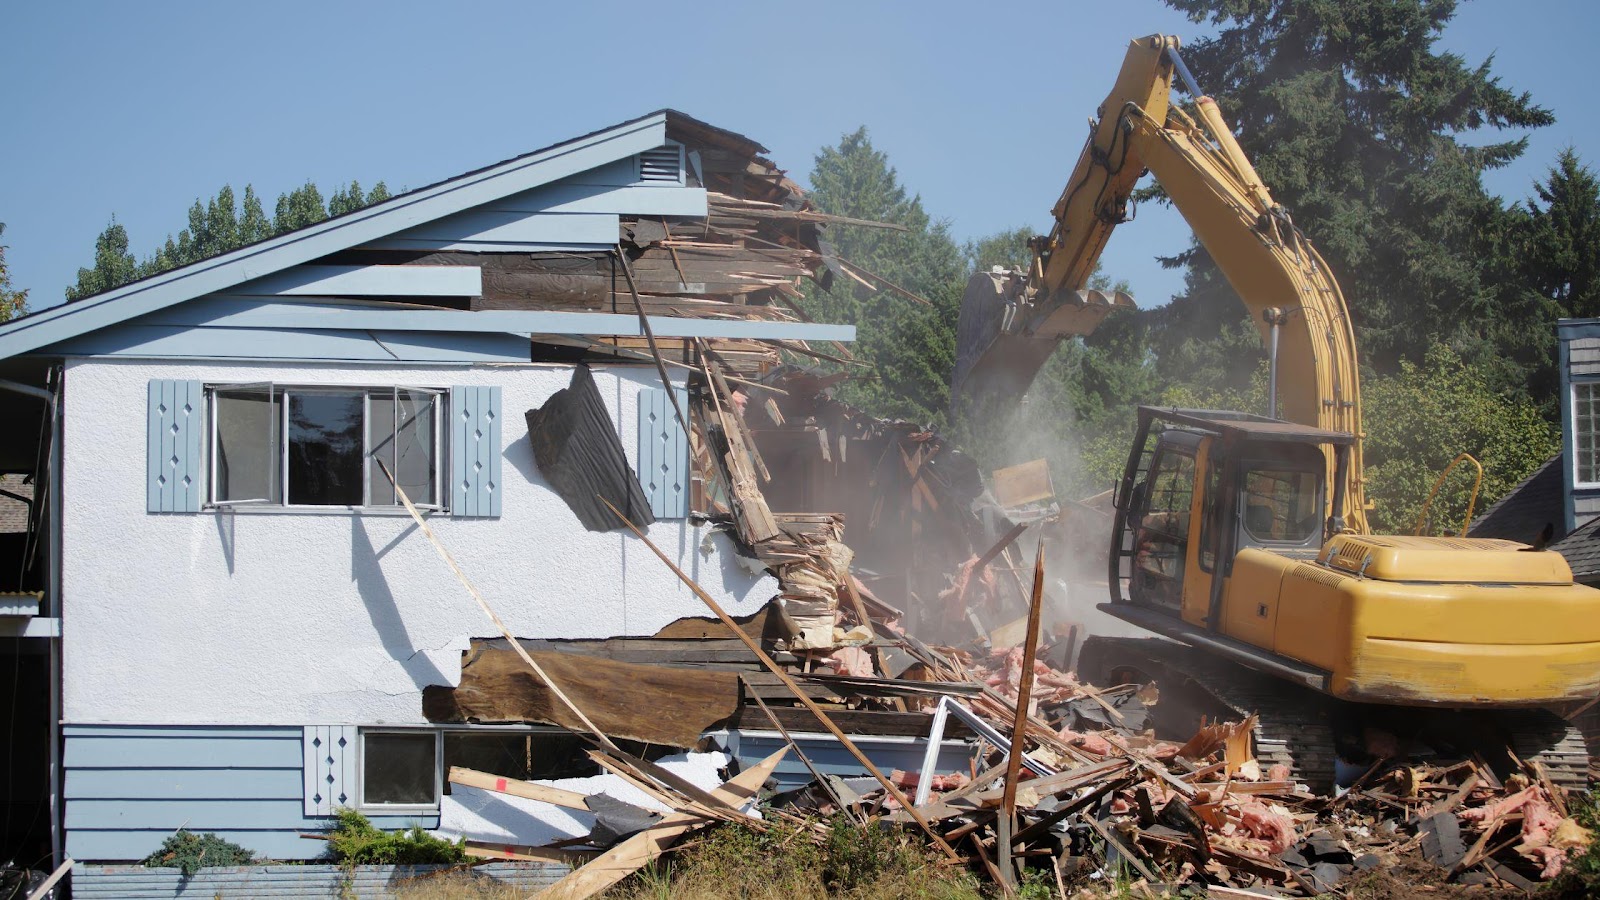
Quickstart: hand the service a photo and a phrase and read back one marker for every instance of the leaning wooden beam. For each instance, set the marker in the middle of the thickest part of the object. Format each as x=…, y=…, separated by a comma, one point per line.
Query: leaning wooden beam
x=516, y=787
x=799, y=693
x=629, y=856
x=650, y=336
x=1019, y=722
x=422, y=525
x=893, y=288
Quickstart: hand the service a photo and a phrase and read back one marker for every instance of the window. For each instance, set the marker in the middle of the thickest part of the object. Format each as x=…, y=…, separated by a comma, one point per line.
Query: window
x=325, y=446
x=1282, y=504
x=521, y=754
x=1586, y=432
x=399, y=768
x=1163, y=536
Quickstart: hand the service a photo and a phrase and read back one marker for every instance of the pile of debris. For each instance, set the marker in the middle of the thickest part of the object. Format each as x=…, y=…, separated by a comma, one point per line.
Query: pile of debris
x=1070, y=780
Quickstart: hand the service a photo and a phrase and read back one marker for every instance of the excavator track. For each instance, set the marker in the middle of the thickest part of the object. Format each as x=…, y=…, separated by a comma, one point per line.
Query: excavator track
x=1293, y=727
x=1298, y=727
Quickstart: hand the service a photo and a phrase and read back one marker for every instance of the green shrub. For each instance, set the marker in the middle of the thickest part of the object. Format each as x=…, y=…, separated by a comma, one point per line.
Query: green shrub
x=189, y=851
x=357, y=842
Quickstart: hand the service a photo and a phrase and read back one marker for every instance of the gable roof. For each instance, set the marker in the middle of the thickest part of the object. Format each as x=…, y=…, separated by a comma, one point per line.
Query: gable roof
x=425, y=204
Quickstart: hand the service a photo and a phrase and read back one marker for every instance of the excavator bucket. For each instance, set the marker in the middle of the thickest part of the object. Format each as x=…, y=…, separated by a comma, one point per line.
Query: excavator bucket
x=1003, y=338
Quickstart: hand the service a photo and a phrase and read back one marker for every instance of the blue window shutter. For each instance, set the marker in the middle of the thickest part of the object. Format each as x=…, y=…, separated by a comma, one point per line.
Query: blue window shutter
x=474, y=452
x=174, y=457
x=329, y=768
x=663, y=461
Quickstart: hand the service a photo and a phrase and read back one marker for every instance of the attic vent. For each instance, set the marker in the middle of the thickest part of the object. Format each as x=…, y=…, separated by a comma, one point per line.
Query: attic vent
x=663, y=164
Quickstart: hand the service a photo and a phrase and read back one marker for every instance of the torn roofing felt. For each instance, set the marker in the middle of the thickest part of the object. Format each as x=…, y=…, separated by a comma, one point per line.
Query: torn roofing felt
x=578, y=451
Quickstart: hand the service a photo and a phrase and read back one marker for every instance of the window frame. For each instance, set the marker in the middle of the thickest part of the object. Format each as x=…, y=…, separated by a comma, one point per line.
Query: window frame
x=280, y=394
x=1572, y=439
x=1249, y=466
x=440, y=774
x=399, y=809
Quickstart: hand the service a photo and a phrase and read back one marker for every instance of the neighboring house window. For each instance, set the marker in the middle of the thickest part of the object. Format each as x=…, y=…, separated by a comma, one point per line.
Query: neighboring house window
x=1586, y=431
x=325, y=446
x=399, y=768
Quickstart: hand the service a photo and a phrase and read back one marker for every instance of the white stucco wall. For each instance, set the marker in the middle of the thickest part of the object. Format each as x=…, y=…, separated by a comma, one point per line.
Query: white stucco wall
x=313, y=618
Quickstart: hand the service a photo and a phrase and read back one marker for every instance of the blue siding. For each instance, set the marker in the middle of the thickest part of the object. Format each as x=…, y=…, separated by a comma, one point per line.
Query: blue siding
x=663, y=460
x=475, y=452
x=126, y=788
x=176, y=411
x=586, y=198
x=465, y=231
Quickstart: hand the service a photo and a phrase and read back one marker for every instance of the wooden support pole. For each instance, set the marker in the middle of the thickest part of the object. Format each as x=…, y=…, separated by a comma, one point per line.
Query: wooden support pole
x=1019, y=724
x=799, y=693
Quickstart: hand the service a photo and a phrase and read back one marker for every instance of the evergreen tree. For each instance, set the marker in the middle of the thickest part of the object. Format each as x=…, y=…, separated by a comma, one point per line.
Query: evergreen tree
x=13, y=302
x=1356, y=120
x=299, y=208
x=216, y=226
x=910, y=347
x=113, y=264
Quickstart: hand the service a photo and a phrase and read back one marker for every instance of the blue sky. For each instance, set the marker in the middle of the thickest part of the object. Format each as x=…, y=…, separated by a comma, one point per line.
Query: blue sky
x=135, y=110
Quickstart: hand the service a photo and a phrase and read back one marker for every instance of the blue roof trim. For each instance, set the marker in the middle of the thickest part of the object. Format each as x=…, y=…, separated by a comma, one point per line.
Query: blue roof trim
x=407, y=210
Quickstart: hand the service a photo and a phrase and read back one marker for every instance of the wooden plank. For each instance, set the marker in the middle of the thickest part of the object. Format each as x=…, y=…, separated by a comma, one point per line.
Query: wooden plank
x=516, y=787
x=627, y=857
x=1028, y=482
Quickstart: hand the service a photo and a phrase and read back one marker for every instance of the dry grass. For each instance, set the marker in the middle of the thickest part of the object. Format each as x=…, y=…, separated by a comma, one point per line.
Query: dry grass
x=791, y=863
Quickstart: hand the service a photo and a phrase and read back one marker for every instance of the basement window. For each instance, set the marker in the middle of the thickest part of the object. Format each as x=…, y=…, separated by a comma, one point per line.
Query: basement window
x=1586, y=433
x=320, y=446
x=399, y=768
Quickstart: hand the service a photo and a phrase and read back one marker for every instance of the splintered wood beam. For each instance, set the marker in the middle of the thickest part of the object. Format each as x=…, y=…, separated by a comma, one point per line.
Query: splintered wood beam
x=1019, y=722
x=650, y=335
x=794, y=688
x=450, y=561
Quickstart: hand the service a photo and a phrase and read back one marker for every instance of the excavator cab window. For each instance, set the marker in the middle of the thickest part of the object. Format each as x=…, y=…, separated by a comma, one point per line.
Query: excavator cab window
x=1281, y=502
x=1162, y=537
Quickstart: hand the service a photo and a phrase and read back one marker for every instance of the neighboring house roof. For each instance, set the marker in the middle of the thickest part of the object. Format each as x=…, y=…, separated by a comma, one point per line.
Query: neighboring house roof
x=57, y=324
x=14, y=513
x=1525, y=509
x=1582, y=550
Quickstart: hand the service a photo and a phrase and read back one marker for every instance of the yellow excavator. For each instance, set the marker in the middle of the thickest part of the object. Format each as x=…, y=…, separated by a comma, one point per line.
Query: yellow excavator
x=1242, y=539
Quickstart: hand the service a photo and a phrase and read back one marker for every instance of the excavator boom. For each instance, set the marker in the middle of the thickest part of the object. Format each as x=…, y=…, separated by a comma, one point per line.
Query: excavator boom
x=1011, y=322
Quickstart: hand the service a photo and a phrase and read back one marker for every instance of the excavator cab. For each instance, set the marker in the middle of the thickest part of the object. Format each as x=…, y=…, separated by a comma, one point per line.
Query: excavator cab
x=1200, y=486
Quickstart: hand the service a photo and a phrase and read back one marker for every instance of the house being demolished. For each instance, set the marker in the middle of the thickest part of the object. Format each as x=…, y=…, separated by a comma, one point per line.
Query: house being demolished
x=228, y=620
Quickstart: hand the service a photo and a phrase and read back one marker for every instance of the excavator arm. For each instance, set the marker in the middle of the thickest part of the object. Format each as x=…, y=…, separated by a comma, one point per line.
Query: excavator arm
x=1011, y=322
